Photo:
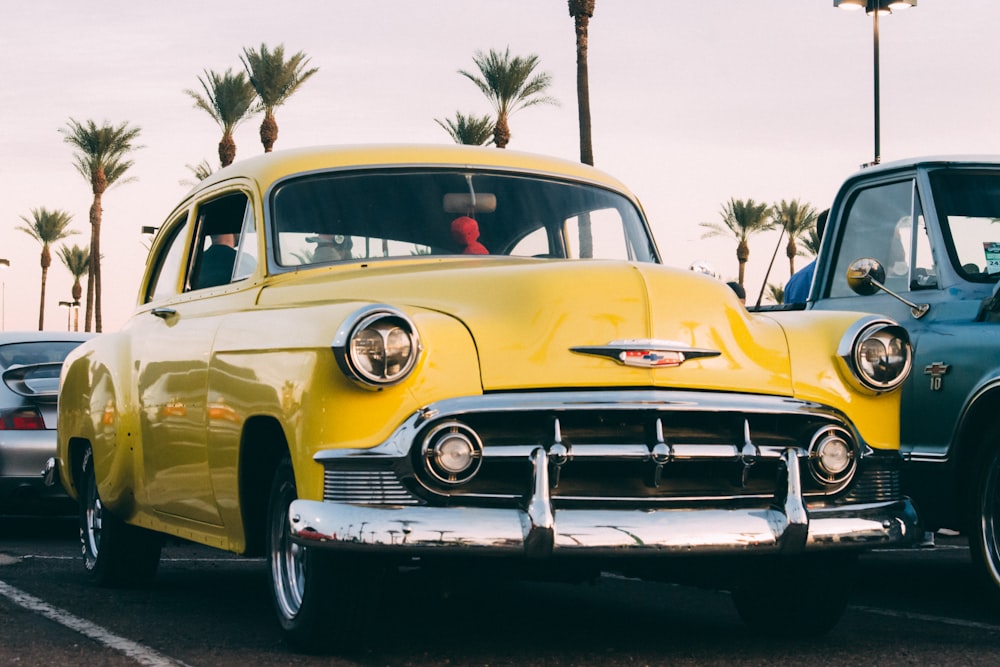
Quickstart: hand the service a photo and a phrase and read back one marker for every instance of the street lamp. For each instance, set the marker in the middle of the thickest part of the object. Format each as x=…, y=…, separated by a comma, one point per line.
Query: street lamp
x=71, y=307
x=875, y=8
x=4, y=265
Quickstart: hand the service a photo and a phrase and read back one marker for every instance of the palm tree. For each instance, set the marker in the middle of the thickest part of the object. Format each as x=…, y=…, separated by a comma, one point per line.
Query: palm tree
x=582, y=11
x=811, y=241
x=227, y=100
x=742, y=219
x=509, y=84
x=77, y=261
x=776, y=293
x=274, y=79
x=470, y=130
x=46, y=227
x=200, y=171
x=796, y=218
x=101, y=158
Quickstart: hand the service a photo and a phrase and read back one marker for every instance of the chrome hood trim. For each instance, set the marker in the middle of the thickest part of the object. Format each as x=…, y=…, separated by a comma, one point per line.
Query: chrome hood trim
x=646, y=353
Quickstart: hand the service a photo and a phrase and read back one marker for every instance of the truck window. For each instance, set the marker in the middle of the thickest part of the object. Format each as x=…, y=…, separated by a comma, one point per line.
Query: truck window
x=968, y=206
x=878, y=223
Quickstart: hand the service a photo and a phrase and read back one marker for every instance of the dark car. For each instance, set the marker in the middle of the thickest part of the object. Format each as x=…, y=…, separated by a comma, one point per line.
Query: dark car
x=30, y=362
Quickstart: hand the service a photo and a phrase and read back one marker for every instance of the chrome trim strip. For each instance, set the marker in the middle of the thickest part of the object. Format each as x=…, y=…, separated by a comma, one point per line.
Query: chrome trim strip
x=651, y=400
x=656, y=353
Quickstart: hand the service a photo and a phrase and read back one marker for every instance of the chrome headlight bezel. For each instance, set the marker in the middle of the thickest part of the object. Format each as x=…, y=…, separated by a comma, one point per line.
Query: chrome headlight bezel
x=377, y=346
x=876, y=354
x=833, y=456
x=439, y=453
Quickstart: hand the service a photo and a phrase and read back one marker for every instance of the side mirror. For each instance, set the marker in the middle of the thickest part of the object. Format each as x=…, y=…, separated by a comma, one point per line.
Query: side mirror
x=866, y=276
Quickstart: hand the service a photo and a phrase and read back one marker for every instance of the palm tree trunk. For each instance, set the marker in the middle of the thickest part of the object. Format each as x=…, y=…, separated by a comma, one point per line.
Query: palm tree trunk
x=268, y=131
x=501, y=133
x=94, y=270
x=582, y=10
x=41, y=300
x=96, y=263
x=88, y=314
x=227, y=150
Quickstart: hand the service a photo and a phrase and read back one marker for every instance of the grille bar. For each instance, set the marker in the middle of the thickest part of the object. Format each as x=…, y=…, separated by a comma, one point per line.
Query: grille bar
x=368, y=487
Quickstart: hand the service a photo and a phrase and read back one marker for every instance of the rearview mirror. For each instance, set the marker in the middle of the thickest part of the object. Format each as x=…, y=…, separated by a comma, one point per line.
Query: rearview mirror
x=467, y=202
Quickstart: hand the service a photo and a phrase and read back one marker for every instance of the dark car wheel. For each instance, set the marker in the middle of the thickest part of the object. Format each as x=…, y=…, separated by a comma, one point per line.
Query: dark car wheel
x=796, y=596
x=984, y=532
x=320, y=599
x=114, y=553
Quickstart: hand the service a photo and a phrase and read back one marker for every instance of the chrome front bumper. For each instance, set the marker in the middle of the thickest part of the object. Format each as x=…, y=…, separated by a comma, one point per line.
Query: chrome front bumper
x=538, y=530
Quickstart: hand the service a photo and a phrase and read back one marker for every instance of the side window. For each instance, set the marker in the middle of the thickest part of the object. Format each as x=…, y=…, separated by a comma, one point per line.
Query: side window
x=924, y=274
x=170, y=264
x=246, y=246
x=221, y=223
x=878, y=224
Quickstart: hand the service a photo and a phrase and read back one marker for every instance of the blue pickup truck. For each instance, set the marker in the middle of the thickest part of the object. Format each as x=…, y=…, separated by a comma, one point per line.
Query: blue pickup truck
x=919, y=241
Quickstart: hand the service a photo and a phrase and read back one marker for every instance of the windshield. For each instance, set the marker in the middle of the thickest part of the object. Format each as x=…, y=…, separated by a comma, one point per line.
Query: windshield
x=378, y=214
x=968, y=206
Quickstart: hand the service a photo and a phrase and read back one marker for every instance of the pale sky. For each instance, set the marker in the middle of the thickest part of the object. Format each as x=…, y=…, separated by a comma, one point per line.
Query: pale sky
x=693, y=102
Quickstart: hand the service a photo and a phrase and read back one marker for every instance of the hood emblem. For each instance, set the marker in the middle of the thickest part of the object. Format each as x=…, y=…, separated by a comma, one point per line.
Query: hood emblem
x=646, y=353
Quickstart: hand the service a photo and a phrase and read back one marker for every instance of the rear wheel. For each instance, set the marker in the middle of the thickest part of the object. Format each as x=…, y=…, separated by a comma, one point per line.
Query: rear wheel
x=984, y=523
x=797, y=595
x=320, y=599
x=114, y=553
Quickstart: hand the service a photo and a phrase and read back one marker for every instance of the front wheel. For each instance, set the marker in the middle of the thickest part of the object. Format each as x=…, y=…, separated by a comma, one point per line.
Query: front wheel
x=115, y=554
x=802, y=596
x=984, y=524
x=320, y=599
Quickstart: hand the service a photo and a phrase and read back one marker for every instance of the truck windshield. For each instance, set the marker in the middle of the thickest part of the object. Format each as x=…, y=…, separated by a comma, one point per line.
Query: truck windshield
x=968, y=207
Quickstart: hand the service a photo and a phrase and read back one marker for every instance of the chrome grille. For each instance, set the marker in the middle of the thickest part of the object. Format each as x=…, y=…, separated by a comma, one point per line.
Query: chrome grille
x=365, y=487
x=874, y=486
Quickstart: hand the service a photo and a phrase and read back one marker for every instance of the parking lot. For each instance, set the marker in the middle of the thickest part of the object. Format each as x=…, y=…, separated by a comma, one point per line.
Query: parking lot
x=920, y=606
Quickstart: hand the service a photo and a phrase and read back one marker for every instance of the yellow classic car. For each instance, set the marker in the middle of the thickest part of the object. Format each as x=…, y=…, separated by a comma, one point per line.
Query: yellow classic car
x=354, y=359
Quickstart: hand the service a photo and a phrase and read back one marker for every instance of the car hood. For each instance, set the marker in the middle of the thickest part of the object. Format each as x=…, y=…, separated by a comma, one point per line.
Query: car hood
x=527, y=316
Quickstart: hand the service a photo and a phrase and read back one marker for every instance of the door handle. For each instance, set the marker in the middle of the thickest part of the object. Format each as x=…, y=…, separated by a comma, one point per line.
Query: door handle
x=164, y=313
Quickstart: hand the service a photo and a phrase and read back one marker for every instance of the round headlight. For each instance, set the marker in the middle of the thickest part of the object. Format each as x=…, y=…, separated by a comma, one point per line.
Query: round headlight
x=452, y=453
x=880, y=356
x=377, y=346
x=832, y=455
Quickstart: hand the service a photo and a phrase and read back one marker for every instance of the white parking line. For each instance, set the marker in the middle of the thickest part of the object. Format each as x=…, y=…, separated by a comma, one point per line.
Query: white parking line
x=141, y=654
x=910, y=616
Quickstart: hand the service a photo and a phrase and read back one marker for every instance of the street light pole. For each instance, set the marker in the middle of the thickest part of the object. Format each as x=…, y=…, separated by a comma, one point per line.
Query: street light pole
x=72, y=307
x=874, y=8
x=878, y=114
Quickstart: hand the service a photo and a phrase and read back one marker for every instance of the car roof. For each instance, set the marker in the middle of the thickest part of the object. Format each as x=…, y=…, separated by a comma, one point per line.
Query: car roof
x=269, y=167
x=928, y=160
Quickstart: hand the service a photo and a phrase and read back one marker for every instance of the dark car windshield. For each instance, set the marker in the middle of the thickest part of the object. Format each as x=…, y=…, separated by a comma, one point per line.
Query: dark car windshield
x=35, y=352
x=968, y=206
x=395, y=213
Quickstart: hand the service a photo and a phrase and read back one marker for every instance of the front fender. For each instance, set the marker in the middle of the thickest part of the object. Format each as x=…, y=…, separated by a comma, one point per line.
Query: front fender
x=813, y=341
